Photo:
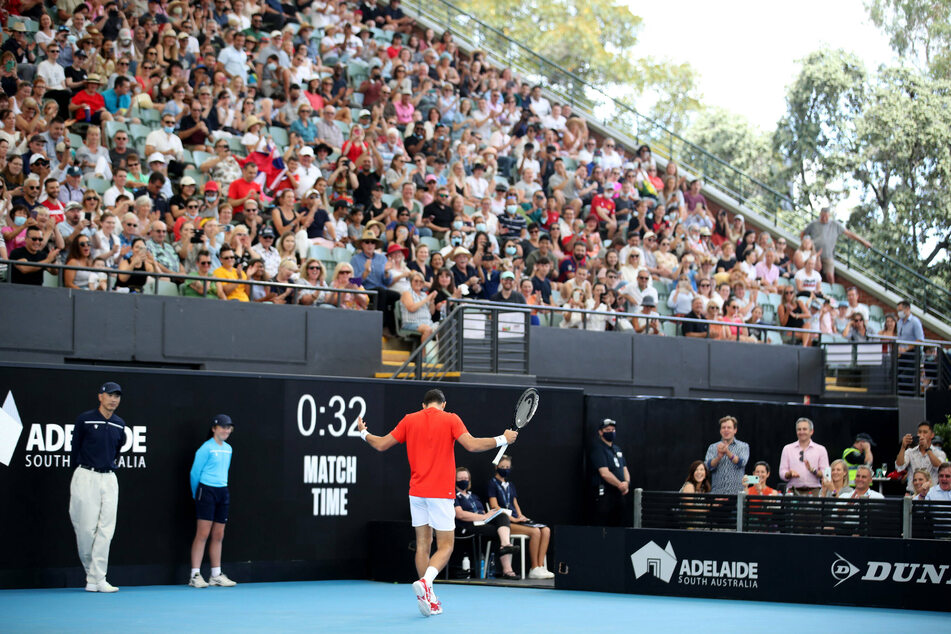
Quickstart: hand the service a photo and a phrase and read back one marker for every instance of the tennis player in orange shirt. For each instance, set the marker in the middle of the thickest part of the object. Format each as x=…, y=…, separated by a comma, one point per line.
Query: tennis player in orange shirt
x=429, y=436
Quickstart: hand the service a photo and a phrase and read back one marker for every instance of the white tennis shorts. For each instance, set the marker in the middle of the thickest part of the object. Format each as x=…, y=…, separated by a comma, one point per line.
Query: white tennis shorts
x=436, y=512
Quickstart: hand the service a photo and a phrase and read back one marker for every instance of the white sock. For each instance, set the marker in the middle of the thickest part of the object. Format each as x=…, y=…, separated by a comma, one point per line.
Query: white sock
x=195, y=571
x=215, y=571
x=430, y=575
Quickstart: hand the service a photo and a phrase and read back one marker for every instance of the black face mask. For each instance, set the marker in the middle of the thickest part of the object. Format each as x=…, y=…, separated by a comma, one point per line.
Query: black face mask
x=462, y=485
x=608, y=436
x=504, y=472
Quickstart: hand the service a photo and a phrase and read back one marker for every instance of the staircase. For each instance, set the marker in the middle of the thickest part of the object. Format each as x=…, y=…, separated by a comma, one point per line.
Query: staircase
x=875, y=272
x=394, y=355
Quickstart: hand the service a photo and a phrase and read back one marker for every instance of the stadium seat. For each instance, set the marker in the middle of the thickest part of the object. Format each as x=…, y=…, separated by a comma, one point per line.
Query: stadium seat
x=342, y=254
x=838, y=291
x=876, y=312
x=75, y=141
x=98, y=185
x=234, y=144
x=344, y=127
x=357, y=99
x=433, y=243
x=662, y=289
x=138, y=131
x=201, y=157
x=168, y=289
x=187, y=157
x=320, y=253
x=279, y=135
x=773, y=336
x=664, y=309
x=150, y=116
x=874, y=325
x=827, y=289
x=113, y=128
x=669, y=328
x=50, y=280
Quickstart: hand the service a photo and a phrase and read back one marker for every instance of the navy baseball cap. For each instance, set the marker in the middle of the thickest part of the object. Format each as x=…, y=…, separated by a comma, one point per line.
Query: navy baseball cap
x=222, y=420
x=866, y=438
x=110, y=387
x=607, y=422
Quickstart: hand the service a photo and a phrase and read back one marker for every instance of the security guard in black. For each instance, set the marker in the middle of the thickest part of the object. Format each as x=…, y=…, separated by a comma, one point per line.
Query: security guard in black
x=611, y=479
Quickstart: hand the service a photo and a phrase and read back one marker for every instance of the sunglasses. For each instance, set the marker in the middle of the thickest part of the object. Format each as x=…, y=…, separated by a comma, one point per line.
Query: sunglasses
x=227, y=257
x=313, y=268
x=205, y=263
x=345, y=273
x=40, y=239
x=83, y=244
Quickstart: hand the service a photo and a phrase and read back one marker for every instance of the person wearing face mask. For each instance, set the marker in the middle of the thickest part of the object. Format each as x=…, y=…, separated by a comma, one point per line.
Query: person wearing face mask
x=611, y=479
x=909, y=329
x=470, y=509
x=513, y=224
x=502, y=494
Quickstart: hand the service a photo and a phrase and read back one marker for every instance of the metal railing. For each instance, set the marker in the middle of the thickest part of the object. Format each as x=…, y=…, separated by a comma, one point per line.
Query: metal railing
x=887, y=365
x=157, y=278
x=889, y=517
x=629, y=126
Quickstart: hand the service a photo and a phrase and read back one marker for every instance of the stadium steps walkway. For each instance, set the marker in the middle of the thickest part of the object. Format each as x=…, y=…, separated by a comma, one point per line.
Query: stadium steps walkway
x=394, y=354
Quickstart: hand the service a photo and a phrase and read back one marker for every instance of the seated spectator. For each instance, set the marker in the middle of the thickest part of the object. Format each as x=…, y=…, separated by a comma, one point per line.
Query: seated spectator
x=229, y=270
x=854, y=306
x=88, y=104
x=507, y=292
x=857, y=329
x=343, y=279
x=716, y=330
x=418, y=307
x=793, y=312
x=34, y=249
x=698, y=480
x=198, y=288
x=863, y=483
x=80, y=254
x=838, y=481
x=286, y=274
x=502, y=494
x=759, y=486
x=921, y=483
x=134, y=266
x=681, y=300
x=808, y=280
x=942, y=492
x=313, y=277
x=643, y=325
x=469, y=509
x=756, y=335
x=767, y=273
x=692, y=329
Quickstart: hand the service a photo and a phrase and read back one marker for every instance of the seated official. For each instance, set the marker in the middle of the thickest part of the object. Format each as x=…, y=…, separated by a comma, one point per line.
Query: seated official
x=469, y=509
x=502, y=494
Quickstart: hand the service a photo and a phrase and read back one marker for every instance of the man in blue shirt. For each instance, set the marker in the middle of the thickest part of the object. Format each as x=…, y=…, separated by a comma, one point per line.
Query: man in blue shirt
x=374, y=268
x=209, y=482
x=909, y=328
x=727, y=459
x=94, y=492
x=117, y=98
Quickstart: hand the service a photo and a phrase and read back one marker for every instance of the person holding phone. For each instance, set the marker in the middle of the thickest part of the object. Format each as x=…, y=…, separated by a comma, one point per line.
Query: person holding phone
x=756, y=483
x=344, y=280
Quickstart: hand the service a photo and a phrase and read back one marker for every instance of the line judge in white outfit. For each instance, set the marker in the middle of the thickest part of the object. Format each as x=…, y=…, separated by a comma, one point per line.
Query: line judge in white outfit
x=94, y=492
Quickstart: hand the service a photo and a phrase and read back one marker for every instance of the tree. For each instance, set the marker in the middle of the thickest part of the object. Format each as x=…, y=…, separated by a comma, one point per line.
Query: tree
x=732, y=138
x=917, y=30
x=903, y=163
x=674, y=90
x=591, y=39
x=816, y=135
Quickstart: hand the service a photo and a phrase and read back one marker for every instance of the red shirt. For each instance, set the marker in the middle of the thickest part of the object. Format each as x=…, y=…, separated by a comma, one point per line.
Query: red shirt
x=429, y=435
x=57, y=210
x=393, y=51
x=94, y=101
x=240, y=189
x=604, y=203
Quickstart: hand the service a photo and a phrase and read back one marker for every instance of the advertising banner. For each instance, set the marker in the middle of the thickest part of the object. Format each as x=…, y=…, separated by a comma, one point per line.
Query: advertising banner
x=895, y=573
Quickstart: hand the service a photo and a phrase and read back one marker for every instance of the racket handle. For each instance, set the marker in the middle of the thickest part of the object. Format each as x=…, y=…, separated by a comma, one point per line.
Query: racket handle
x=498, y=456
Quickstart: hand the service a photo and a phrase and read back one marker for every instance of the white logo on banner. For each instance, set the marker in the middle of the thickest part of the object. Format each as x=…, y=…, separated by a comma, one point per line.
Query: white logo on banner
x=10, y=429
x=658, y=561
x=842, y=570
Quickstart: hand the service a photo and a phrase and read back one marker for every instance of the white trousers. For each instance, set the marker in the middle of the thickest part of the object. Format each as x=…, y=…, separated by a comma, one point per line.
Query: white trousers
x=93, y=499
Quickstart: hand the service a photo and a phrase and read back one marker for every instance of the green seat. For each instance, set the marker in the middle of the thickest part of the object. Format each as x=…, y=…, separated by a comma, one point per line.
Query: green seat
x=344, y=127
x=876, y=312
x=664, y=309
x=827, y=289
x=150, y=115
x=280, y=136
x=75, y=141
x=113, y=128
x=669, y=328
x=50, y=280
x=342, y=254
x=874, y=325
x=187, y=157
x=138, y=131
x=320, y=253
x=662, y=289
x=234, y=143
x=168, y=289
x=98, y=185
x=201, y=157
x=433, y=243
x=838, y=291
x=402, y=333
x=773, y=336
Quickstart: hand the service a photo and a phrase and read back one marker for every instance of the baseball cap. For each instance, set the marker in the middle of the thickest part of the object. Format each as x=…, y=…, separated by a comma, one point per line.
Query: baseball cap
x=648, y=300
x=222, y=420
x=187, y=180
x=38, y=157
x=72, y=205
x=363, y=113
x=267, y=232
x=211, y=186
x=275, y=34
x=865, y=437
x=156, y=157
x=607, y=422
x=307, y=151
x=507, y=275
x=74, y=171
x=110, y=387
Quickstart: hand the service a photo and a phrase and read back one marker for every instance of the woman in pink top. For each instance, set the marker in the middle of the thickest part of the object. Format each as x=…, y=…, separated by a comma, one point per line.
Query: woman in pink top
x=404, y=108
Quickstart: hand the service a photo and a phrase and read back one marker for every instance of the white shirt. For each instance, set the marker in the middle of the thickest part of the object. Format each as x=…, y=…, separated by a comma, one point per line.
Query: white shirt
x=52, y=73
x=914, y=460
x=235, y=62
x=871, y=494
x=306, y=178
x=477, y=187
x=272, y=260
x=539, y=106
x=162, y=142
x=937, y=493
x=809, y=282
x=859, y=308
x=555, y=123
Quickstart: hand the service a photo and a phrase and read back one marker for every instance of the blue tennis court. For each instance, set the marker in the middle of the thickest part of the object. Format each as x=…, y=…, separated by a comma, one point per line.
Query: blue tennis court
x=366, y=606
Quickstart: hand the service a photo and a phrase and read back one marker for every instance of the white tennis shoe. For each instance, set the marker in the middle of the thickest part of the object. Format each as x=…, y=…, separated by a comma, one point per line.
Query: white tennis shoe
x=197, y=581
x=221, y=580
x=102, y=586
x=540, y=573
x=423, y=597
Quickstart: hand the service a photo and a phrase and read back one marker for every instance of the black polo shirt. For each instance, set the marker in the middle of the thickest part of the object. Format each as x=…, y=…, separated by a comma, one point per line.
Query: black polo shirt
x=34, y=278
x=610, y=456
x=692, y=327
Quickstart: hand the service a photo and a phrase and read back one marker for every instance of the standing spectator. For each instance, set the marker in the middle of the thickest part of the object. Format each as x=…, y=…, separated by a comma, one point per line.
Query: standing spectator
x=94, y=492
x=923, y=456
x=909, y=326
x=802, y=462
x=611, y=479
x=860, y=453
x=941, y=492
x=825, y=233
x=727, y=459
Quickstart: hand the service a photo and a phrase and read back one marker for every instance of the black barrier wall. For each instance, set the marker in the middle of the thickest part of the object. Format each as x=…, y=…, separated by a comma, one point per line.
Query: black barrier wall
x=304, y=486
x=910, y=574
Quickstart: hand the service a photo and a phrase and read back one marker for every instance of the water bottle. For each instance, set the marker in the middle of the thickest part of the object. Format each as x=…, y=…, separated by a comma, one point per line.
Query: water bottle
x=884, y=469
x=481, y=568
x=491, y=574
x=466, y=571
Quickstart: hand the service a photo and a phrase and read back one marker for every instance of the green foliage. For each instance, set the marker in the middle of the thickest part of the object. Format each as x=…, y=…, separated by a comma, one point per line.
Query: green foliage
x=918, y=30
x=674, y=88
x=592, y=39
x=817, y=133
x=732, y=138
x=944, y=429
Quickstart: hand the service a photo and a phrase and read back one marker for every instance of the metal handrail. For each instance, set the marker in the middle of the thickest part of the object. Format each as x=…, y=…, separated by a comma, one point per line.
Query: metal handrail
x=743, y=187
x=158, y=276
x=446, y=324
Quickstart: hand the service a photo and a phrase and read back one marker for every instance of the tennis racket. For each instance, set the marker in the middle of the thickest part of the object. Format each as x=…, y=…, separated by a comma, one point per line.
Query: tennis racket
x=524, y=411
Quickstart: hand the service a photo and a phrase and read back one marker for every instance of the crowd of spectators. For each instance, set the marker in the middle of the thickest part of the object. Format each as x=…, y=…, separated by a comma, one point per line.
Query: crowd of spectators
x=337, y=145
